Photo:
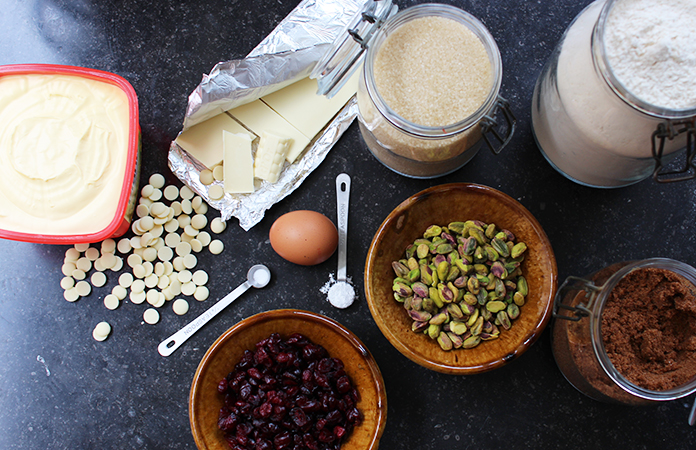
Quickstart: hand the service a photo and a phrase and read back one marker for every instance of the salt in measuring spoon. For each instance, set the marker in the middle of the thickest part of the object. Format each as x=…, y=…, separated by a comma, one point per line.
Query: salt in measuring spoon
x=342, y=294
x=258, y=277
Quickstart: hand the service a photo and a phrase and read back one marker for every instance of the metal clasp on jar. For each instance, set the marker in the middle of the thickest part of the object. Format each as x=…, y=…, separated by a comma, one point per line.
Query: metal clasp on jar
x=670, y=130
x=580, y=310
x=489, y=125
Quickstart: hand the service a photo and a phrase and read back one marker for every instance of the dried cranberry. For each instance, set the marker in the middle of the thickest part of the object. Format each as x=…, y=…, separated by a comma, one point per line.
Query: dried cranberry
x=299, y=417
x=282, y=440
x=222, y=386
x=343, y=385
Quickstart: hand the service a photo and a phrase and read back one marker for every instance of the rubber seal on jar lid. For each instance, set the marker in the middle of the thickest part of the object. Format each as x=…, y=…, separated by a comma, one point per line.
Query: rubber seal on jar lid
x=346, y=52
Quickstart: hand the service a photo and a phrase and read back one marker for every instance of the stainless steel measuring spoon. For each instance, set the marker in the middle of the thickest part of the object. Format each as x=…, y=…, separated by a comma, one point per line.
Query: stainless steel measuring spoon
x=342, y=294
x=258, y=277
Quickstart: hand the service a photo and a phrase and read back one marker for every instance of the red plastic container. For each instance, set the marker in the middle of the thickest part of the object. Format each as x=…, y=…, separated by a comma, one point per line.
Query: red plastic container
x=127, y=198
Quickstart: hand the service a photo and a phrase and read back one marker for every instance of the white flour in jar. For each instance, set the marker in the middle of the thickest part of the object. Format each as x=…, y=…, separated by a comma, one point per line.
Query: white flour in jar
x=584, y=128
x=651, y=47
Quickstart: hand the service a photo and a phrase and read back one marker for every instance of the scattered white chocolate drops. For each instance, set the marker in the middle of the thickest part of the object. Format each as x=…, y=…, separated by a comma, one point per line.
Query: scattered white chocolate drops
x=159, y=255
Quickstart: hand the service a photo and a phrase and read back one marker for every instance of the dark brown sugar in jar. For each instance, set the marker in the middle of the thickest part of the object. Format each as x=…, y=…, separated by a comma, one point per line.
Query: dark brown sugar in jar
x=649, y=329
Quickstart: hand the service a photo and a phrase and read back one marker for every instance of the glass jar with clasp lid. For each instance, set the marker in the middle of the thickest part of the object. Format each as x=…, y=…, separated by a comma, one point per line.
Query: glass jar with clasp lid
x=616, y=101
x=624, y=334
x=436, y=123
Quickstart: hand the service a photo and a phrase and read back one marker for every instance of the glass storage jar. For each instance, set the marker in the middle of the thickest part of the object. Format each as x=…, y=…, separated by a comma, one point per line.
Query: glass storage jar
x=589, y=125
x=582, y=322
x=408, y=148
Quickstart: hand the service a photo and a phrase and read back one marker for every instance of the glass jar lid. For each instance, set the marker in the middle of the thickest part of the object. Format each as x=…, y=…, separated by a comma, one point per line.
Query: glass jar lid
x=346, y=52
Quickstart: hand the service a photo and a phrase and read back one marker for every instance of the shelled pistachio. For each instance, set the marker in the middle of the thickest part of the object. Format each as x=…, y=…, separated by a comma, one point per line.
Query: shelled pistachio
x=462, y=283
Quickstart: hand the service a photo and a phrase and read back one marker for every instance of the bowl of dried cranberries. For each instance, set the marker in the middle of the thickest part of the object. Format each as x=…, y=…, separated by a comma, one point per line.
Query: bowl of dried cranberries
x=287, y=379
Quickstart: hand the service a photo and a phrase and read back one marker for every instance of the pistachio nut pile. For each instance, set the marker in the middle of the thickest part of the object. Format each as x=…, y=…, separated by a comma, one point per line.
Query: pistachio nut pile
x=462, y=282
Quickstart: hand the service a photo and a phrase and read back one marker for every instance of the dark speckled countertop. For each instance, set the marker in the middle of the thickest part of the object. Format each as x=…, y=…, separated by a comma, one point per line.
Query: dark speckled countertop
x=60, y=389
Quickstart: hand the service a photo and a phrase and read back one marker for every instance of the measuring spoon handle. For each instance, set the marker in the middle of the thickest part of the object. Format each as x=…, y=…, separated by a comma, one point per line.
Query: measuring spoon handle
x=169, y=345
x=342, y=200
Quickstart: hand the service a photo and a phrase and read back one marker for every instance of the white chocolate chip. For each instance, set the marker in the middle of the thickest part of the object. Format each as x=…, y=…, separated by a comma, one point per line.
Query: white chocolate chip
x=171, y=192
x=111, y=302
x=217, y=225
x=180, y=306
x=216, y=192
x=216, y=247
x=151, y=316
x=101, y=331
x=157, y=180
x=201, y=293
x=98, y=279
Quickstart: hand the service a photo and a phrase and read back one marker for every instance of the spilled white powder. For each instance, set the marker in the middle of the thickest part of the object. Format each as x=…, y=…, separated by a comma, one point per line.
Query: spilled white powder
x=651, y=47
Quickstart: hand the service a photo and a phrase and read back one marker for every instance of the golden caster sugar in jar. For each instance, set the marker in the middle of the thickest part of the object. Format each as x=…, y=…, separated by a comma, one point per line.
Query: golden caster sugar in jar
x=617, y=98
x=428, y=91
x=627, y=333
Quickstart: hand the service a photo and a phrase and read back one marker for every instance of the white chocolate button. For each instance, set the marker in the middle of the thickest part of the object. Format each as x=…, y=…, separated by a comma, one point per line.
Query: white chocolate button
x=71, y=255
x=190, y=261
x=217, y=225
x=108, y=246
x=216, y=192
x=188, y=288
x=137, y=297
x=196, y=245
x=199, y=221
x=186, y=207
x=219, y=173
x=146, y=191
x=79, y=274
x=171, y=192
x=151, y=316
x=151, y=281
x=184, y=276
x=84, y=264
x=81, y=247
x=138, y=286
x=156, y=195
x=171, y=226
x=111, y=301
x=180, y=307
x=202, y=209
x=71, y=294
x=142, y=210
x=67, y=282
x=201, y=293
x=83, y=288
x=206, y=177
x=200, y=277
x=216, y=247
x=118, y=264
x=101, y=331
x=98, y=279
x=165, y=254
x=68, y=268
x=157, y=180
x=120, y=292
x=183, y=249
x=186, y=193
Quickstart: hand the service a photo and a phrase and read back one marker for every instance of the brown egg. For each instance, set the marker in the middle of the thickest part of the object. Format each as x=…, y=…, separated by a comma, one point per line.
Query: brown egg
x=304, y=237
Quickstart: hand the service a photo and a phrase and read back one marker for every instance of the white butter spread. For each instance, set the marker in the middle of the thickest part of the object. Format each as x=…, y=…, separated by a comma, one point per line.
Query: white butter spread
x=63, y=153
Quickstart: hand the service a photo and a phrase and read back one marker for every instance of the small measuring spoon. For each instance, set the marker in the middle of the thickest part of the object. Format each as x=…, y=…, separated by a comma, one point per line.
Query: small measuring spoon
x=258, y=277
x=342, y=294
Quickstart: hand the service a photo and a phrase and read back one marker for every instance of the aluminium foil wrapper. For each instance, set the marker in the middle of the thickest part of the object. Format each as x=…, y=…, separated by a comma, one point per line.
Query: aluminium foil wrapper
x=285, y=56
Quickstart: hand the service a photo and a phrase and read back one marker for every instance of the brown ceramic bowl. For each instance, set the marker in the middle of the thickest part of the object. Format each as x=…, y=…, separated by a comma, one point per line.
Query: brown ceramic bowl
x=441, y=205
x=219, y=360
